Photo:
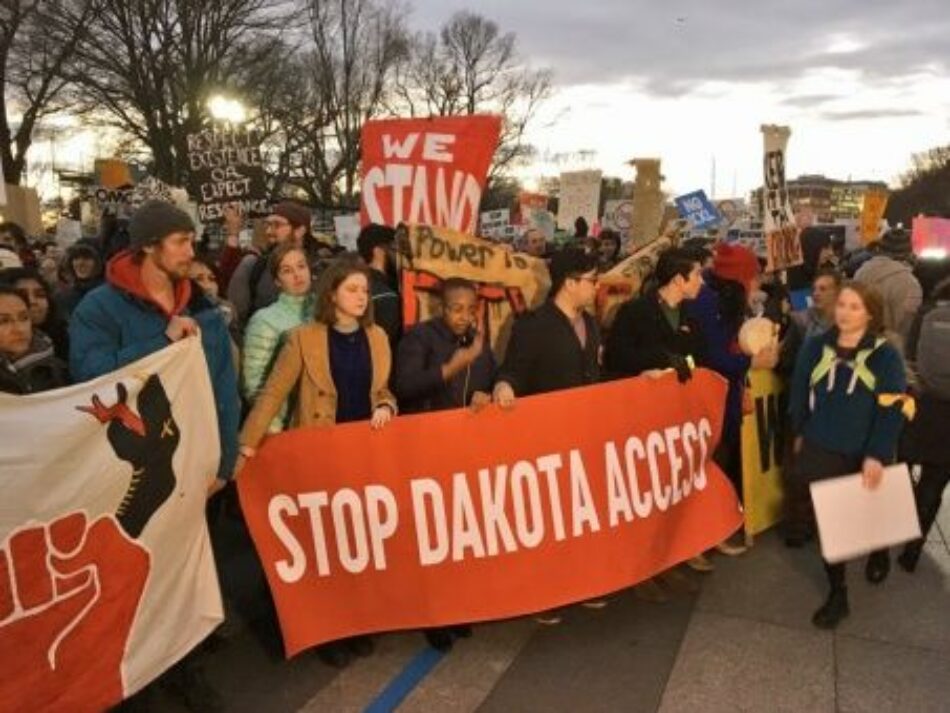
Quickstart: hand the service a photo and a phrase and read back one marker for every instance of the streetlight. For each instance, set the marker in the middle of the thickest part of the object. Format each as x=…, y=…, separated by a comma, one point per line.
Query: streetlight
x=229, y=110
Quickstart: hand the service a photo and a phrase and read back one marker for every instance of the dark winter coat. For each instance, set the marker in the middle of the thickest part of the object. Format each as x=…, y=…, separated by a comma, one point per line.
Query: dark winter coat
x=37, y=370
x=722, y=355
x=417, y=380
x=118, y=324
x=387, y=309
x=840, y=412
x=642, y=338
x=544, y=353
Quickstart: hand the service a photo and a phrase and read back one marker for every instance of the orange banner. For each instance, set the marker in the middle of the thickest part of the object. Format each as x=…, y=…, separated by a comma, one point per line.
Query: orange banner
x=429, y=171
x=461, y=517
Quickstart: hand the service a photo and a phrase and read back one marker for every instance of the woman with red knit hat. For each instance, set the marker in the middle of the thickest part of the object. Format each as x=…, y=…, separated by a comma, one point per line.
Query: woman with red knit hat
x=719, y=310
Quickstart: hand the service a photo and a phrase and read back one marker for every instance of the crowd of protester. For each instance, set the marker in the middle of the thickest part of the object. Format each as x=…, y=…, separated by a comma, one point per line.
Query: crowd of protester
x=299, y=334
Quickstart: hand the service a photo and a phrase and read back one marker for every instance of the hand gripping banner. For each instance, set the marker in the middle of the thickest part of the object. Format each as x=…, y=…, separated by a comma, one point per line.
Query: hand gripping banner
x=463, y=517
x=106, y=571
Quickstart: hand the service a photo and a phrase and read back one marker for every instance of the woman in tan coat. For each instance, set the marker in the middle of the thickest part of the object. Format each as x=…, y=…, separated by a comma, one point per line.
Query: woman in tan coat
x=340, y=366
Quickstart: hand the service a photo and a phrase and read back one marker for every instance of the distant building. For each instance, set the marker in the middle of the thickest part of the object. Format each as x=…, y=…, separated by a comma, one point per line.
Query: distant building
x=827, y=198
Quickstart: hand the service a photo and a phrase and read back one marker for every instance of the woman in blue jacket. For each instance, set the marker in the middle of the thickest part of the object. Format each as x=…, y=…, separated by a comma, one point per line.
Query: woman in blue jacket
x=845, y=414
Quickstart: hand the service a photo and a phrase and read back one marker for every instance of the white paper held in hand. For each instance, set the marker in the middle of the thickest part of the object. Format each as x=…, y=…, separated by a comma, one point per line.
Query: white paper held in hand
x=853, y=520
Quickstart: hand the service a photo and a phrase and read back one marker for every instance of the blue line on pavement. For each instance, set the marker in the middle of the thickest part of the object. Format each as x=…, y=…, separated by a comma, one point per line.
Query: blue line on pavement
x=401, y=686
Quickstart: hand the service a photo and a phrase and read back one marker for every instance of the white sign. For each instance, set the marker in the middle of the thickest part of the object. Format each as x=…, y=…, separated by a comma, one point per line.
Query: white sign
x=107, y=572
x=618, y=215
x=579, y=197
x=496, y=224
x=853, y=520
x=347, y=229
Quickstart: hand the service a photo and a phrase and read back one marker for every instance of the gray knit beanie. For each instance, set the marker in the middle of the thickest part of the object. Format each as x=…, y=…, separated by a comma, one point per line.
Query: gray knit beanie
x=154, y=220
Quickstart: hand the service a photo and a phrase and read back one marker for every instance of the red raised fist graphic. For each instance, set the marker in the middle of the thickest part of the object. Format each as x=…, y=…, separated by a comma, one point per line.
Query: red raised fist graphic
x=69, y=591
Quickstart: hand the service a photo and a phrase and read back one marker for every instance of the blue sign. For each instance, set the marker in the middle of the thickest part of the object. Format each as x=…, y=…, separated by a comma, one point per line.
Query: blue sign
x=696, y=208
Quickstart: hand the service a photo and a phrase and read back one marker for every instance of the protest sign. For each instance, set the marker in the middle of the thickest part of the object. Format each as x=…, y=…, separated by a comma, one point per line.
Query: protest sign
x=429, y=171
x=579, y=197
x=783, y=247
x=461, y=517
x=854, y=520
x=731, y=210
x=347, y=230
x=696, y=208
x=618, y=215
x=227, y=170
x=648, y=202
x=872, y=212
x=107, y=572
x=496, y=224
x=763, y=444
x=508, y=283
x=23, y=207
x=112, y=172
x=931, y=236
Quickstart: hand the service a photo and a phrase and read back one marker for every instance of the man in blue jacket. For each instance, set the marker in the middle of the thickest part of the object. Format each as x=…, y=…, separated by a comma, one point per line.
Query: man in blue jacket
x=147, y=303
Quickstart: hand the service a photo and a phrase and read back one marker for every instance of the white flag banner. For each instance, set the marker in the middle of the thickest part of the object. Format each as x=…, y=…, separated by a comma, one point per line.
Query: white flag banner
x=106, y=572
x=783, y=246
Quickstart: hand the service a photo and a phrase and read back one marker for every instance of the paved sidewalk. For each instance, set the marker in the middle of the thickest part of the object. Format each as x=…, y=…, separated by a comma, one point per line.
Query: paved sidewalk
x=743, y=642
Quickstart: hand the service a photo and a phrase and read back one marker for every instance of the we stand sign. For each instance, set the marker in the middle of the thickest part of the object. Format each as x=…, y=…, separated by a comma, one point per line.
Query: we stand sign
x=427, y=171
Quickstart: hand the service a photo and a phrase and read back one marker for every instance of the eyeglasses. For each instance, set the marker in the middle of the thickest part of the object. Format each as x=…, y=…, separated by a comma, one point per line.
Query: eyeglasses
x=276, y=223
x=592, y=279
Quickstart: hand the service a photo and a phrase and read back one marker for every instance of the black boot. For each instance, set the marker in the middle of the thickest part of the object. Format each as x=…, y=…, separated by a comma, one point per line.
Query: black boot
x=911, y=555
x=335, y=654
x=833, y=610
x=362, y=646
x=878, y=566
x=187, y=682
x=440, y=639
x=462, y=631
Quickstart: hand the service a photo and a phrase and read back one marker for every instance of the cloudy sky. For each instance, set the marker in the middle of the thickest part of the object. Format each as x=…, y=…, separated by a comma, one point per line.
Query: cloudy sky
x=863, y=85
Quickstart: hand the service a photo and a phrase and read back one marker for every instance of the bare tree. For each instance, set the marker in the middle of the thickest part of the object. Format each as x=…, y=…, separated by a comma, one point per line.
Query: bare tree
x=38, y=40
x=357, y=45
x=151, y=65
x=471, y=67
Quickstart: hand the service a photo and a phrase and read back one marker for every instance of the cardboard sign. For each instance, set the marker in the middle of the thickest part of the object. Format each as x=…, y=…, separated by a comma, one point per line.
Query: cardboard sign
x=784, y=248
x=696, y=208
x=227, y=170
x=853, y=520
x=508, y=283
x=579, y=197
x=459, y=517
x=496, y=224
x=618, y=215
x=428, y=171
x=872, y=212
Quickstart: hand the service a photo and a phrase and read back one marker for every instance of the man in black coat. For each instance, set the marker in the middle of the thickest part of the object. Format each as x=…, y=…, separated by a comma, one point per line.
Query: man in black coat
x=376, y=246
x=445, y=362
x=557, y=345
x=652, y=333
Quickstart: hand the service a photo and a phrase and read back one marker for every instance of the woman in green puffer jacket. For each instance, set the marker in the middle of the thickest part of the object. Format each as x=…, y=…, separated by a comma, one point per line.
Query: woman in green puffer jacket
x=269, y=326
